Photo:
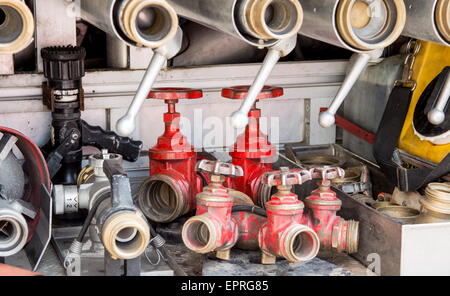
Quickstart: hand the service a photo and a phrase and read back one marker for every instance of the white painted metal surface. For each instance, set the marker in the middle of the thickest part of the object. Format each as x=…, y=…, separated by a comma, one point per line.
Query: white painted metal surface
x=111, y=92
x=425, y=250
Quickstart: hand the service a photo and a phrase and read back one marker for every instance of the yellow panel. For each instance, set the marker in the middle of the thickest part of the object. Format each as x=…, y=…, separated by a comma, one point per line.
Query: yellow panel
x=432, y=59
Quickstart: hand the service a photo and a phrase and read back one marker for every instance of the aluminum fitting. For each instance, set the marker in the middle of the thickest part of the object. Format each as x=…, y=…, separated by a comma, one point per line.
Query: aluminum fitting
x=150, y=23
x=272, y=19
x=125, y=234
x=13, y=232
x=16, y=26
x=369, y=25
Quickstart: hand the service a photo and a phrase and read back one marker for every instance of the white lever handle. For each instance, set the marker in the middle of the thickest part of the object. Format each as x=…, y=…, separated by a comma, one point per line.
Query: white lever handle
x=239, y=119
x=127, y=124
x=358, y=64
x=437, y=116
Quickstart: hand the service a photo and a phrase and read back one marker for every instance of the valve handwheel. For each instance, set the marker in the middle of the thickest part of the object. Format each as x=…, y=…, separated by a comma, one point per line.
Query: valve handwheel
x=240, y=92
x=175, y=93
x=218, y=168
x=172, y=144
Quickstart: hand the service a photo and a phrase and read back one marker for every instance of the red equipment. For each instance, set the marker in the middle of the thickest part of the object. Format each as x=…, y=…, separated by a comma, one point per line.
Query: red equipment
x=284, y=235
x=252, y=150
x=213, y=229
x=334, y=232
x=173, y=184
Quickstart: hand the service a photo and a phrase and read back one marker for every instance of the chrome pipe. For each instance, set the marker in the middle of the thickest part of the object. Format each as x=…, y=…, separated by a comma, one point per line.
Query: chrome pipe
x=148, y=23
x=16, y=26
x=260, y=23
x=428, y=20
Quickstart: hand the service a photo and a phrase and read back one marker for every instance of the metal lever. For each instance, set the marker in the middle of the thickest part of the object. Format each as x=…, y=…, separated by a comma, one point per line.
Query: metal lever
x=437, y=116
x=127, y=124
x=358, y=63
x=239, y=119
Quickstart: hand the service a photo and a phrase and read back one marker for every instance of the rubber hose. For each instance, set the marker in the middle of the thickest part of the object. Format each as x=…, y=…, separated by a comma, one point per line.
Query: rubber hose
x=252, y=209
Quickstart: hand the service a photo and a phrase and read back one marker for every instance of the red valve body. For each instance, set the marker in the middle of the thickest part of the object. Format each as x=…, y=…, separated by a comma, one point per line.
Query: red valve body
x=333, y=231
x=252, y=150
x=172, y=163
x=212, y=229
x=281, y=235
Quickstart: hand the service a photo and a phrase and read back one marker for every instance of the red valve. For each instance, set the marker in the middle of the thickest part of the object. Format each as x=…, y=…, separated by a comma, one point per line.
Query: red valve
x=333, y=231
x=283, y=232
x=213, y=229
x=252, y=150
x=173, y=184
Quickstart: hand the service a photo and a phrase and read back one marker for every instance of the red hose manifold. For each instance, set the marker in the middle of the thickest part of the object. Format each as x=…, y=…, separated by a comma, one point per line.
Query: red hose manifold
x=252, y=150
x=334, y=232
x=173, y=184
x=284, y=235
x=213, y=229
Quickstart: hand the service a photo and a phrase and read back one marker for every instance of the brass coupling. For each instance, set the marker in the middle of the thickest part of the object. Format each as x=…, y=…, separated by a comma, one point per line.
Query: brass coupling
x=274, y=19
x=437, y=198
x=17, y=27
x=125, y=234
x=443, y=18
x=369, y=25
x=150, y=23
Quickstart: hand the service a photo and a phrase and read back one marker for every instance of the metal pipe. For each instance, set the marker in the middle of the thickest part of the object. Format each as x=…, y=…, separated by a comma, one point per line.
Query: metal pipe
x=16, y=26
x=13, y=232
x=239, y=119
x=428, y=20
x=127, y=124
x=258, y=22
x=357, y=25
x=148, y=23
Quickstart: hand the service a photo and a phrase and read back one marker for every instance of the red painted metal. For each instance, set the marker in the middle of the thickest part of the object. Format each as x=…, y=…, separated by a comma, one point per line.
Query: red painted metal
x=334, y=232
x=252, y=150
x=353, y=128
x=213, y=229
x=284, y=235
x=36, y=169
x=249, y=225
x=173, y=158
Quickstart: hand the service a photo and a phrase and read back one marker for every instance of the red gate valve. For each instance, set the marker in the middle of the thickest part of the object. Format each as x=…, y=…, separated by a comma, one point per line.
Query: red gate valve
x=252, y=149
x=213, y=229
x=334, y=232
x=284, y=235
x=170, y=191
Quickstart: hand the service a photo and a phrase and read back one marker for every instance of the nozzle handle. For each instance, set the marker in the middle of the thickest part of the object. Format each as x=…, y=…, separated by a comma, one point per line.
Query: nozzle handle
x=358, y=63
x=436, y=115
x=239, y=119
